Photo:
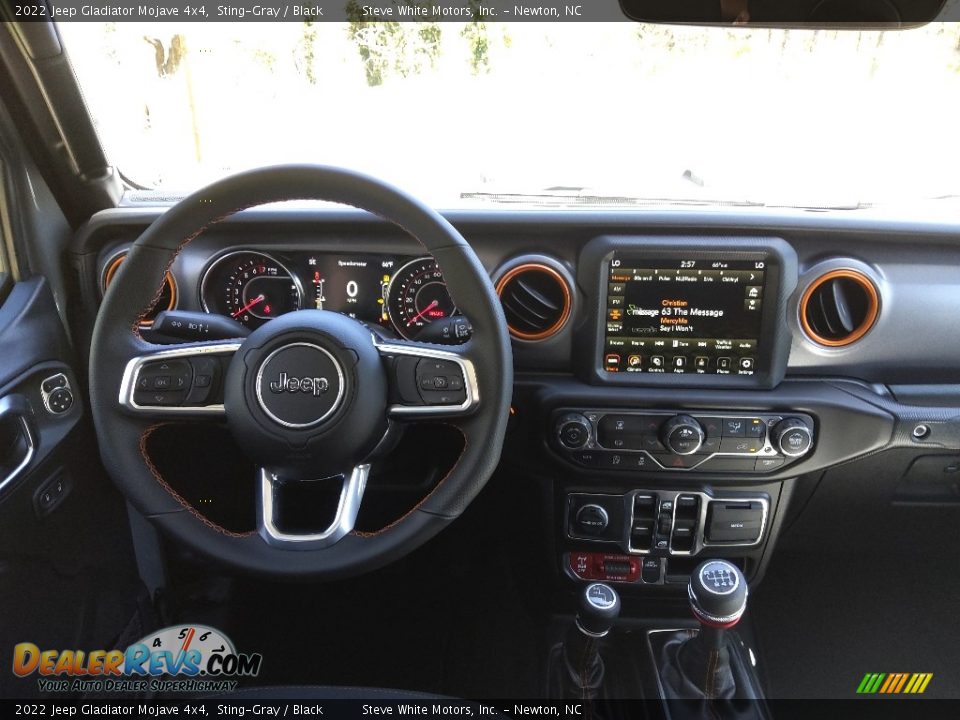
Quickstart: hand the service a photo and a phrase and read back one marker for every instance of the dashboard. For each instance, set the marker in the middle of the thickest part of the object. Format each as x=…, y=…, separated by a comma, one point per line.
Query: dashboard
x=839, y=295
x=678, y=375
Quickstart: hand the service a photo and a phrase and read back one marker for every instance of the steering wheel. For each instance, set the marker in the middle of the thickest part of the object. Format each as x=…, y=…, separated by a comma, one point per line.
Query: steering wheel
x=308, y=395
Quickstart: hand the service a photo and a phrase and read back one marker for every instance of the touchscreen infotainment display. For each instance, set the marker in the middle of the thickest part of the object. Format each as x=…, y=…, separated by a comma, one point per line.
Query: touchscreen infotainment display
x=682, y=316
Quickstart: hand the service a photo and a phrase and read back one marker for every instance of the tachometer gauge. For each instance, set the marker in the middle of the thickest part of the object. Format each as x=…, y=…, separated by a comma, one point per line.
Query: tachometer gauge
x=250, y=287
x=418, y=296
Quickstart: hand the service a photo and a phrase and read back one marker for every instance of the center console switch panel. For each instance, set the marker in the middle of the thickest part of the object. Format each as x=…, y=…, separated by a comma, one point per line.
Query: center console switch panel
x=734, y=521
x=681, y=441
x=667, y=522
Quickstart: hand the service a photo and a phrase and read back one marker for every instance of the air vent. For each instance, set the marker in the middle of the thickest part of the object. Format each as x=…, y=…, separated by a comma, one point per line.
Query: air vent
x=168, y=294
x=839, y=308
x=536, y=300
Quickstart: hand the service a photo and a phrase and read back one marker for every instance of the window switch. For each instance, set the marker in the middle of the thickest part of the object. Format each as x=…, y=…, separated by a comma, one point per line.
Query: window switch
x=51, y=494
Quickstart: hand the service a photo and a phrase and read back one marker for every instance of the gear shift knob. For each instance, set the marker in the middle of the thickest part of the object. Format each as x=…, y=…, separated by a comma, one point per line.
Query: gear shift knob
x=700, y=667
x=599, y=609
x=718, y=593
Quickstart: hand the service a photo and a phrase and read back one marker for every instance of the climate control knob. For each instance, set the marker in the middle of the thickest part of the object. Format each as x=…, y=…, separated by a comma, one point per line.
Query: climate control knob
x=573, y=431
x=792, y=437
x=682, y=435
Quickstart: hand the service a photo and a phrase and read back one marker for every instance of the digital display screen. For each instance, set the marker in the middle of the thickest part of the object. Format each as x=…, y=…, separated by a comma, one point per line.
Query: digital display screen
x=676, y=316
x=355, y=285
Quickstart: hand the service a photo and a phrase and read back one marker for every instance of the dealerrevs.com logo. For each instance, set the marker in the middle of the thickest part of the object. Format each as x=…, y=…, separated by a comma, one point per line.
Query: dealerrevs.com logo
x=180, y=658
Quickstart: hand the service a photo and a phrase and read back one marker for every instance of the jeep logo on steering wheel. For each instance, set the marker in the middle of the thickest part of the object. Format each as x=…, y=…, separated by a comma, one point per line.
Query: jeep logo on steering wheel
x=299, y=384
x=316, y=385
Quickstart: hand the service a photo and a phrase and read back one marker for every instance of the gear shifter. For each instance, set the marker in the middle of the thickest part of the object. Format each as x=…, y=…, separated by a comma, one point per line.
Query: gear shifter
x=700, y=666
x=599, y=609
x=718, y=596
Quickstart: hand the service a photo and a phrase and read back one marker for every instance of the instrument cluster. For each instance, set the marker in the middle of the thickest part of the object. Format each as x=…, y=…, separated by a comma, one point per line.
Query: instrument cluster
x=406, y=294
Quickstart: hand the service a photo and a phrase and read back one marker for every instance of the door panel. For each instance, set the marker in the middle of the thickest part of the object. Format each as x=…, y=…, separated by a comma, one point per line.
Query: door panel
x=68, y=576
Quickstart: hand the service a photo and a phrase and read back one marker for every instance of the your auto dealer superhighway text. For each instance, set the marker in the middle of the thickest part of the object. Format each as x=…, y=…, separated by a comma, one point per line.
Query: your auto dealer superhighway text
x=158, y=710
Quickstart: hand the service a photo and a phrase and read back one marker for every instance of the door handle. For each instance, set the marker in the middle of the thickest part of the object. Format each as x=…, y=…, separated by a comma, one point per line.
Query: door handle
x=18, y=442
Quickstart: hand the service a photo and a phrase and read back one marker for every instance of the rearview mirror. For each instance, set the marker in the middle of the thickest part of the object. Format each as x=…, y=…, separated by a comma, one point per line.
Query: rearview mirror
x=842, y=14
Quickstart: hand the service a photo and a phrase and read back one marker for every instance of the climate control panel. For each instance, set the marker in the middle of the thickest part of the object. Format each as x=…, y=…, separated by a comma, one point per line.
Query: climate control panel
x=663, y=440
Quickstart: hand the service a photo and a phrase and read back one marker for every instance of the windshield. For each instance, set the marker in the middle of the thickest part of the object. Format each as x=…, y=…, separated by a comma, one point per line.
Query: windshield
x=468, y=114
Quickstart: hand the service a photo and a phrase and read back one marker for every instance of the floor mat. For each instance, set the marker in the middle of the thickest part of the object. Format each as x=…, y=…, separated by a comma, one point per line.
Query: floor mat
x=862, y=586
x=463, y=616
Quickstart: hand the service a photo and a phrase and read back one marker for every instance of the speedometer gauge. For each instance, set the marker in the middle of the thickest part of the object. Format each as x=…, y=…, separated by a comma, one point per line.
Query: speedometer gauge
x=250, y=287
x=418, y=296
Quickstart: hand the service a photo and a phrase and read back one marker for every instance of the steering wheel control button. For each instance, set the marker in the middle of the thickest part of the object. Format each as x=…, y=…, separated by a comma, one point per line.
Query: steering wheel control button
x=592, y=519
x=164, y=375
x=792, y=437
x=440, y=382
x=163, y=383
x=300, y=385
x=206, y=380
x=159, y=398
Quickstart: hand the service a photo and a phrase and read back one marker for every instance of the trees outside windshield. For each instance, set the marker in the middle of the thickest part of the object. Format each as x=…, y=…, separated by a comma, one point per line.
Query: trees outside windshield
x=794, y=117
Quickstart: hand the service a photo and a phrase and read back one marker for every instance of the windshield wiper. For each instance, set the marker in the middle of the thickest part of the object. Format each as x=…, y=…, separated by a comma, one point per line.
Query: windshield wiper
x=561, y=196
x=571, y=196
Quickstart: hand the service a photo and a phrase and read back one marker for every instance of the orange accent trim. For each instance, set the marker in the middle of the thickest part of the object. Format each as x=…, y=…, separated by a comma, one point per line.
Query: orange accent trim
x=168, y=280
x=567, y=299
x=903, y=679
x=873, y=307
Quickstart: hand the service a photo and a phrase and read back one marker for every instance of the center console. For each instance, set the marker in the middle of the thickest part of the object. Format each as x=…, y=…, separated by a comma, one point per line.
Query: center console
x=671, y=442
x=651, y=486
x=672, y=451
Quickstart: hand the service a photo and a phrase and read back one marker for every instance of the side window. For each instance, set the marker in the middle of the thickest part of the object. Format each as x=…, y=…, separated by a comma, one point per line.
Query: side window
x=8, y=270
